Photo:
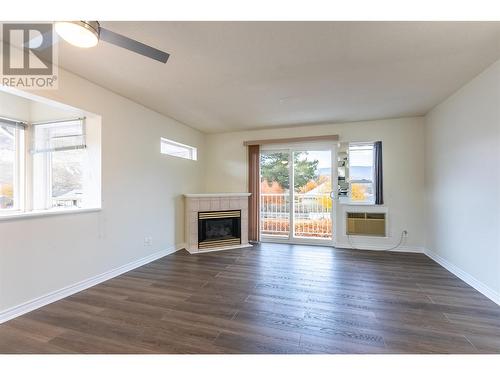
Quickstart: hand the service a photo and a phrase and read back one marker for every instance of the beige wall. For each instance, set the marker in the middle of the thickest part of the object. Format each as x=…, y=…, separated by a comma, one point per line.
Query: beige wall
x=462, y=176
x=141, y=196
x=226, y=168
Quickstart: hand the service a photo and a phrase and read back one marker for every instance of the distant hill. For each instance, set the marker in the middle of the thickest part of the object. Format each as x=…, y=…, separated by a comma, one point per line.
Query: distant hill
x=360, y=173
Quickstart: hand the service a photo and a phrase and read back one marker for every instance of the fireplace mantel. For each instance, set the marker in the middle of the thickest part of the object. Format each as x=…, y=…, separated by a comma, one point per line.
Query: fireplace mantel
x=216, y=195
x=206, y=202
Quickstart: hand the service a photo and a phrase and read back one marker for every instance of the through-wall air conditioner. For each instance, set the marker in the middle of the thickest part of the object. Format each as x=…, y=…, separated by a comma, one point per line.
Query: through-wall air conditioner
x=366, y=224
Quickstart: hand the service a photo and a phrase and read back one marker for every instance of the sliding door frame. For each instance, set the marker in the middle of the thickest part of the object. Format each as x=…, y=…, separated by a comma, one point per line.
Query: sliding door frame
x=290, y=149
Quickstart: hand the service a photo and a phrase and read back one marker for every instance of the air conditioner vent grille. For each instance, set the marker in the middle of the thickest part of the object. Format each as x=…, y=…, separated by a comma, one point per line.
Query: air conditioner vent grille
x=366, y=224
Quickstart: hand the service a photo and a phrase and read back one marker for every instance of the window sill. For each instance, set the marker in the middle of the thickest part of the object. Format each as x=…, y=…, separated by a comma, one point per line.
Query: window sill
x=41, y=213
x=348, y=202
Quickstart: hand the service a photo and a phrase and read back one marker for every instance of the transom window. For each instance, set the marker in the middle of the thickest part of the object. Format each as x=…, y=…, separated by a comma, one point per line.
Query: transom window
x=172, y=148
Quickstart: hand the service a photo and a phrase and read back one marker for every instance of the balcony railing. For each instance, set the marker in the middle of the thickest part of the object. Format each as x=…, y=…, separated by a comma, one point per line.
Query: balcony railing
x=312, y=215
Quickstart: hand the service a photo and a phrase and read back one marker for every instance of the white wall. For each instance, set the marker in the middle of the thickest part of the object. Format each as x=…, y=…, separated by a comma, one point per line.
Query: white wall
x=14, y=107
x=403, y=169
x=40, y=112
x=141, y=196
x=142, y=189
x=462, y=179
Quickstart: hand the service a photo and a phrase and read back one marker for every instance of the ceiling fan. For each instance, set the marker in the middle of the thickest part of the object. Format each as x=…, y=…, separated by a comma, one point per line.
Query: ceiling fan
x=86, y=34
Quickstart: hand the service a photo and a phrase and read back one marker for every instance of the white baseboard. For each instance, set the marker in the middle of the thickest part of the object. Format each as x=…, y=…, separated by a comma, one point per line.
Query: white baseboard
x=466, y=277
x=401, y=249
x=338, y=245
x=38, y=302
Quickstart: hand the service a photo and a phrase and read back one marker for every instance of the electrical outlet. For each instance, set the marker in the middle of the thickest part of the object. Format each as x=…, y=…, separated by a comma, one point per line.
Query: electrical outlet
x=405, y=233
x=148, y=241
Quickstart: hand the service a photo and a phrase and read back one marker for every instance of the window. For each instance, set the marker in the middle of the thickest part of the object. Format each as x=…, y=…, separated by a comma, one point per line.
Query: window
x=58, y=168
x=60, y=161
x=177, y=149
x=66, y=177
x=51, y=166
x=11, y=146
x=361, y=171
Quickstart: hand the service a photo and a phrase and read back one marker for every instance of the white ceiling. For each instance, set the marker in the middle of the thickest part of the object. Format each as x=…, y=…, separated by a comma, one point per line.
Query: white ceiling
x=226, y=76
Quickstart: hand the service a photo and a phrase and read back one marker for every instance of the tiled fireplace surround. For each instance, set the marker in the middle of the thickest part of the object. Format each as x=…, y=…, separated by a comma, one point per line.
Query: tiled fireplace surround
x=195, y=203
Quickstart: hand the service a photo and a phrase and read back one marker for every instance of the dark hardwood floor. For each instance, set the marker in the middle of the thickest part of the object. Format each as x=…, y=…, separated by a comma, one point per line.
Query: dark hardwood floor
x=269, y=299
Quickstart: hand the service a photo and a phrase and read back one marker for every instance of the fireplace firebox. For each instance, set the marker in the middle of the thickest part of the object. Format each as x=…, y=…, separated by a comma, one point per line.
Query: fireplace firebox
x=219, y=228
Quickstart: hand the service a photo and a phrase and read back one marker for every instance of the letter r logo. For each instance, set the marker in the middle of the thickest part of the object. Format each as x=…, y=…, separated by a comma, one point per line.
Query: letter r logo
x=27, y=49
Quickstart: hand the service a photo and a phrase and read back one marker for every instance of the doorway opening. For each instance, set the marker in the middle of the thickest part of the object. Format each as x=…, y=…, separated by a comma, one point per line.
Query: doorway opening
x=297, y=194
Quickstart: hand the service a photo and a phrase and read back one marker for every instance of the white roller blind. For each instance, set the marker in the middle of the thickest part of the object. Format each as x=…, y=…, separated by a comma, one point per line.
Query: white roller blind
x=59, y=136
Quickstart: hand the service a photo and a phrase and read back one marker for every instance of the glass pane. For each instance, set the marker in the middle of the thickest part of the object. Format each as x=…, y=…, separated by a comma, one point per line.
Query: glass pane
x=67, y=178
x=7, y=166
x=175, y=150
x=178, y=149
x=220, y=229
x=361, y=169
x=362, y=191
x=59, y=135
x=361, y=162
x=313, y=187
x=275, y=194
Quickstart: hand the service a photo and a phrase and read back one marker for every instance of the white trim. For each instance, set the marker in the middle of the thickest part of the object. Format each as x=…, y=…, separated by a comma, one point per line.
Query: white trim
x=464, y=276
x=216, y=195
x=399, y=249
x=41, y=213
x=56, y=295
x=346, y=201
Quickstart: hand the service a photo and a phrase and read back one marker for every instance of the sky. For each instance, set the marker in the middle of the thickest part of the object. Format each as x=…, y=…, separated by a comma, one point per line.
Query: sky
x=362, y=158
x=324, y=158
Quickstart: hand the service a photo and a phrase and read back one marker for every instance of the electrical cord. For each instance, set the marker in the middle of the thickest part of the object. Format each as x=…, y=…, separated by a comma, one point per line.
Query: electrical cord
x=401, y=239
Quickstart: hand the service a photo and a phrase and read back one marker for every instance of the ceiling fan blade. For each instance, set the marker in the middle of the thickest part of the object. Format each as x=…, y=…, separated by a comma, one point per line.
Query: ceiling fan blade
x=132, y=45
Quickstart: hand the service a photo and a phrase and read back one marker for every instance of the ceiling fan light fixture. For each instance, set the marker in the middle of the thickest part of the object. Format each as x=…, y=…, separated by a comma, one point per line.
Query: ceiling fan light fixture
x=83, y=34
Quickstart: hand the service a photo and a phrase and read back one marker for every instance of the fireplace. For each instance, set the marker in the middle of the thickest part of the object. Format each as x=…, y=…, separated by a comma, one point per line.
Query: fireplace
x=219, y=229
x=204, y=209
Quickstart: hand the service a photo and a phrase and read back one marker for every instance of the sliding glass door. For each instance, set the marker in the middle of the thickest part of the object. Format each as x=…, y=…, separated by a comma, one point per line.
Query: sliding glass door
x=275, y=194
x=297, y=191
x=312, y=195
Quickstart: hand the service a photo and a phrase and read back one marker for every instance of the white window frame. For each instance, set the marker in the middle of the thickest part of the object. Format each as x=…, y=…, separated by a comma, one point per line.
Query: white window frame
x=371, y=181
x=45, y=179
x=25, y=172
x=19, y=170
x=192, y=151
x=24, y=179
x=18, y=180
